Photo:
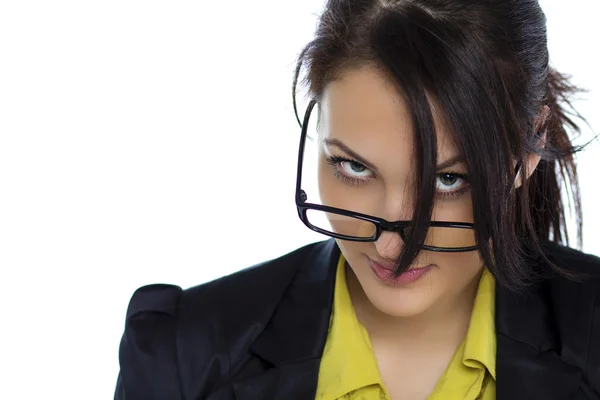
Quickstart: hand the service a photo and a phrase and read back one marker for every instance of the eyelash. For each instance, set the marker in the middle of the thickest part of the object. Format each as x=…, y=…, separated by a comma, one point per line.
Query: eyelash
x=459, y=192
x=335, y=160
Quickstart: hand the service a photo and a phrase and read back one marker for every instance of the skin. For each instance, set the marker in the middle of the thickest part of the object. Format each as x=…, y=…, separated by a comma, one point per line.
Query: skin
x=415, y=328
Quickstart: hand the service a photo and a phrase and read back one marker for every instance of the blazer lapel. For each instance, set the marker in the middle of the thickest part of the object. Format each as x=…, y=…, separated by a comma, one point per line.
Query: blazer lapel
x=292, y=343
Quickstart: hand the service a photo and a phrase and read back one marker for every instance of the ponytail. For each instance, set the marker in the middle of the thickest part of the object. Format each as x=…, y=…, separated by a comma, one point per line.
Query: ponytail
x=557, y=168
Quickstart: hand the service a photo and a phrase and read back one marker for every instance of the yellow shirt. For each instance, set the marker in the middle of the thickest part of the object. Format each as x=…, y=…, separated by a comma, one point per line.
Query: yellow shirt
x=349, y=369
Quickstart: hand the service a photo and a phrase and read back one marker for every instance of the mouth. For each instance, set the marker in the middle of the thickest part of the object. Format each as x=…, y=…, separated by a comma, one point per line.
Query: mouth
x=388, y=266
x=384, y=271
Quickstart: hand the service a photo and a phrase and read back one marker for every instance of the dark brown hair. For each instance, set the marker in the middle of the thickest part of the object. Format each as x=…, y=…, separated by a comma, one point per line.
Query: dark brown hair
x=485, y=64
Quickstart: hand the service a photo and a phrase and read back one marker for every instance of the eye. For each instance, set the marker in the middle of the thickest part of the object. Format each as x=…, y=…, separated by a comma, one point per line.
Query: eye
x=355, y=169
x=449, y=182
x=349, y=171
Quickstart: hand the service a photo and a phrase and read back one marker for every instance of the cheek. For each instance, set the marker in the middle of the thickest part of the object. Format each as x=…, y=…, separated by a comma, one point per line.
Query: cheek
x=349, y=249
x=365, y=198
x=324, y=176
x=459, y=210
x=335, y=193
x=459, y=269
x=354, y=252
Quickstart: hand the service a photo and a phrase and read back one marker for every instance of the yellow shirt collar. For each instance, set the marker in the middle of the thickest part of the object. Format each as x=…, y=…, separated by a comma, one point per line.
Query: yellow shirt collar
x=480, y=343
x=471, y=373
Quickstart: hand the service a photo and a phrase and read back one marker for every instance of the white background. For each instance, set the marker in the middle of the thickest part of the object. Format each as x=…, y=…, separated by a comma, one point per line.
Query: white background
x=147, y=141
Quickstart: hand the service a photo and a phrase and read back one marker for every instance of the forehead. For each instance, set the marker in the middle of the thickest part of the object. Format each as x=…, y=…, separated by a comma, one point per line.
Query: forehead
x=365, y=96
x=365, y=107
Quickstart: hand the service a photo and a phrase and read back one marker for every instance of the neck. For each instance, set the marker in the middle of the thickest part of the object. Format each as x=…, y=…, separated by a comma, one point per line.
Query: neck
x=445, y=324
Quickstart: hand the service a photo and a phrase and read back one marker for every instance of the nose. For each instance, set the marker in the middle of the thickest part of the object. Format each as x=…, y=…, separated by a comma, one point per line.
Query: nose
x=398, y=206
x=389, y=245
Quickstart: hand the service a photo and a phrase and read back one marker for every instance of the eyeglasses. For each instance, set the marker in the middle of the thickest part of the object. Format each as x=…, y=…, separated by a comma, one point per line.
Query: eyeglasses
x=353, y=226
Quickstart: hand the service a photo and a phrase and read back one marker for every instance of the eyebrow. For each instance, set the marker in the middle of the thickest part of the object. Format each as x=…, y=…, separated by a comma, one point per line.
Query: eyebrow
x=457, y=159
x=452, y=161
x=340, y=145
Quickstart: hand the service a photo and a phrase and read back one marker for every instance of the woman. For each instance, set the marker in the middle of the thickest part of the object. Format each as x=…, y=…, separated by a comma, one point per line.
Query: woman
x=442, y=147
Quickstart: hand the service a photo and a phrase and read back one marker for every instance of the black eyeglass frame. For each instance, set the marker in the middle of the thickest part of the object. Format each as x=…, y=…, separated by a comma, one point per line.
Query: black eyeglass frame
x=380, y=223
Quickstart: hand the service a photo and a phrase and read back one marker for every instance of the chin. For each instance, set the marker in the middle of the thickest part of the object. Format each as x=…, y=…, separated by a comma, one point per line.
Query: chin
x=400, y=302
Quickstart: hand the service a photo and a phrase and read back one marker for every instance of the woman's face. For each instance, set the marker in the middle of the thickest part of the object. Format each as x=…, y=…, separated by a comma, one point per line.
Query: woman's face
x=366, y=164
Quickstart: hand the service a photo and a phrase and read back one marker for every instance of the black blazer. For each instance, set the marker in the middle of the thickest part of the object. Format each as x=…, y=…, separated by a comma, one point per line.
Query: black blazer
x=260, y=333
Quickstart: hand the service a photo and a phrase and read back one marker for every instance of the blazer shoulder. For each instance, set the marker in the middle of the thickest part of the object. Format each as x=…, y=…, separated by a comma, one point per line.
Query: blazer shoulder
x=198, y=335
x=266, y=280
x=572, y=259
x=581, y=292
x=245, y=298
x=147, y=355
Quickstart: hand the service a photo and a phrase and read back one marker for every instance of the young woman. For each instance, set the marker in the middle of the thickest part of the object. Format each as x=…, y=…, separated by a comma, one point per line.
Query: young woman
x=442, y=150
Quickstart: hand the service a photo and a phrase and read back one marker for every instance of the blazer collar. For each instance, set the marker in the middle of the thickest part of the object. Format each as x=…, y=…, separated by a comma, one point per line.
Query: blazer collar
x=298, y=328
x=294, y=338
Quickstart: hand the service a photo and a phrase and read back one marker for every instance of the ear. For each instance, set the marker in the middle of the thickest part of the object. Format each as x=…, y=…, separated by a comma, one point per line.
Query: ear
x=533, y=159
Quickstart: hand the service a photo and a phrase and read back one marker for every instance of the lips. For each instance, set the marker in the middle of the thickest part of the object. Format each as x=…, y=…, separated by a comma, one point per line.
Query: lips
x=385, y=273
x=391, y=267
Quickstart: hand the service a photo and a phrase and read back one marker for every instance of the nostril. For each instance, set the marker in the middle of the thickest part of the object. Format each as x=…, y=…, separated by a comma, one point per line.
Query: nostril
x=389, y=245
